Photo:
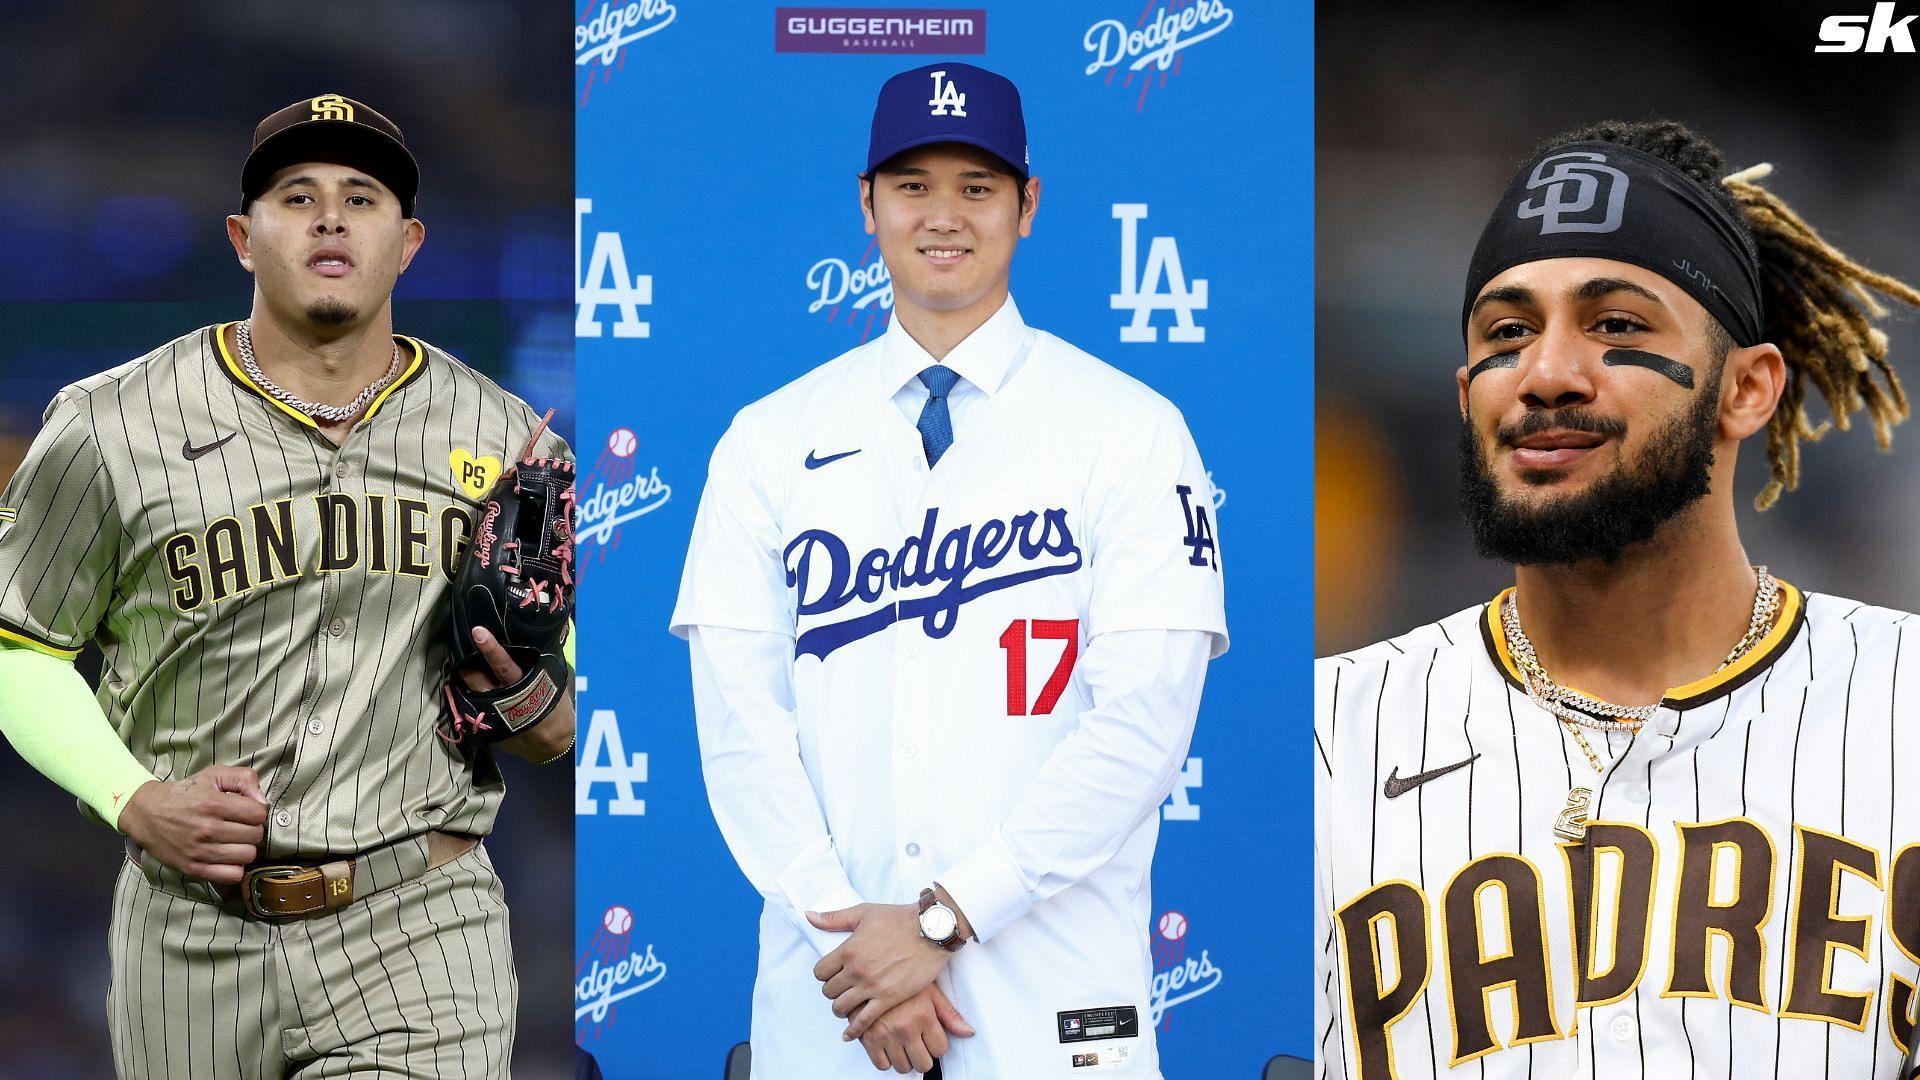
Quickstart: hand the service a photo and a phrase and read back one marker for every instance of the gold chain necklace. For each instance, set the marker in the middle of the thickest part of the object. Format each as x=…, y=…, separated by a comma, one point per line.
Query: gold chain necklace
x=1576, y=710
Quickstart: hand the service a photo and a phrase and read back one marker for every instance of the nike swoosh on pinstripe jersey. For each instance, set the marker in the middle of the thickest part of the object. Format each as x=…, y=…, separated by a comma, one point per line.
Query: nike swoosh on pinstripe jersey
x=193, y=452
x=1396, y=787
x=814, y=461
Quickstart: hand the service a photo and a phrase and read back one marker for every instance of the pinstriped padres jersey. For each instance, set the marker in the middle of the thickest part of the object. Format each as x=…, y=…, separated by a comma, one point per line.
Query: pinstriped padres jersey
x=1746, y=902
x=264, y=597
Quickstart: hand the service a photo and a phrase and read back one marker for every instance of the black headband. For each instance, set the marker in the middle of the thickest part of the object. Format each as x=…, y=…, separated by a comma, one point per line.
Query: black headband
x=1607, y=201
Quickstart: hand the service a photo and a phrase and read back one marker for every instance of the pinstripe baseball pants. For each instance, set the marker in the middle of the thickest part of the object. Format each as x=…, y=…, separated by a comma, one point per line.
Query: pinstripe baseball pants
x=413, y=981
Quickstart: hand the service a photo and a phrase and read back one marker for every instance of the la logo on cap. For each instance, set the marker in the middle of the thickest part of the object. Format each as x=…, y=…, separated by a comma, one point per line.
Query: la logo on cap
x=947, y=98
x=332, y=107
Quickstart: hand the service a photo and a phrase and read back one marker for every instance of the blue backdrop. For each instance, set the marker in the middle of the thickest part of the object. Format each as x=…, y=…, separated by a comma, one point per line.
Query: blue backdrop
x=720, y=254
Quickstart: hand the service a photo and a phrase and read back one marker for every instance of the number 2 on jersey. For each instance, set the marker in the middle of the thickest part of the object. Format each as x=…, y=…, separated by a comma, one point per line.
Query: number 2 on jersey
x=1014, y=640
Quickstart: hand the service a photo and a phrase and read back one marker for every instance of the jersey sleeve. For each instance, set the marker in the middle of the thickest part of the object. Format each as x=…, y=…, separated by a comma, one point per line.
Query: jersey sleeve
x=1155, y=558
x=59, y=539
x=734, y=576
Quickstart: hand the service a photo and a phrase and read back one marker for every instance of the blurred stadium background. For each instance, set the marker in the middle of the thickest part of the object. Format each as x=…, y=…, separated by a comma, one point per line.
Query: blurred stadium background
x=1422, y=114
x=126, y=127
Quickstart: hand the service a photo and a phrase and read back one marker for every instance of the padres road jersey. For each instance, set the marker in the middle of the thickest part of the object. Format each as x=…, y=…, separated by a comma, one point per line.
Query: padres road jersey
x=263, y=597
x=986, y=674
x=1746, y=902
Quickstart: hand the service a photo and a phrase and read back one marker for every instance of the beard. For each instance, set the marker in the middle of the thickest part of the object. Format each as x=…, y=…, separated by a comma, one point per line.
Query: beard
x=331, y=311
x=1627, y=506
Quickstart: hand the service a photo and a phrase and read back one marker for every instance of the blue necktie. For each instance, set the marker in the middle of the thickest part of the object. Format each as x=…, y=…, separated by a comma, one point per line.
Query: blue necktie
x=936, y=428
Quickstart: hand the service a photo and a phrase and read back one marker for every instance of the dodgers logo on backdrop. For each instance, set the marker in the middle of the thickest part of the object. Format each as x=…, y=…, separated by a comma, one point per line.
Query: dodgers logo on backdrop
x=1578, y=181
x=1140, y=289
x=948, y=31
x=1180, y=805
x=616, y=492
x=604, y=282
x=1177, y=977
x=604, y=760
x=863, y=288
x=612, y=968
x=825, y=576
x=603, y=33
x=1155, y=40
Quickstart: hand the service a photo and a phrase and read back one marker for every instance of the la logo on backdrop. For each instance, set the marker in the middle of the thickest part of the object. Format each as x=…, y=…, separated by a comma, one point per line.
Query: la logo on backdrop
x=1154, y=44
x=603, y=282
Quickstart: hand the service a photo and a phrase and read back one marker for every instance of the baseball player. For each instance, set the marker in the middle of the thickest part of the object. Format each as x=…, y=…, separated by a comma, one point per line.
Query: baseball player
x=1635, y=815
x=257, y=523
x=950, y=599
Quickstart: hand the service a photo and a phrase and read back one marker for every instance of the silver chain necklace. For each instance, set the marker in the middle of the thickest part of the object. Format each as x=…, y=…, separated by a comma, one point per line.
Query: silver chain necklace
x=243, y=338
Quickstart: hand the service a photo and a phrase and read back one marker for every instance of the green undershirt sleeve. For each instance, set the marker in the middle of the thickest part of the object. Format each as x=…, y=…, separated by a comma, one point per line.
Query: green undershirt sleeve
x=51, y=718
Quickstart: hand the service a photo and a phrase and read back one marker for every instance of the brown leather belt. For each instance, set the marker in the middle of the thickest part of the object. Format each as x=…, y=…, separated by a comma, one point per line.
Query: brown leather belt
x=299, y=888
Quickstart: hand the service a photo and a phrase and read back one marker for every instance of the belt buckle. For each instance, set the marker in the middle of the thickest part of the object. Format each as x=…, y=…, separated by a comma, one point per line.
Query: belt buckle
x=283, y=874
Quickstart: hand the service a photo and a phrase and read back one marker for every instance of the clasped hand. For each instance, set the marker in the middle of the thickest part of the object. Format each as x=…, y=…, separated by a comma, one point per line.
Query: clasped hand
x=881, y=982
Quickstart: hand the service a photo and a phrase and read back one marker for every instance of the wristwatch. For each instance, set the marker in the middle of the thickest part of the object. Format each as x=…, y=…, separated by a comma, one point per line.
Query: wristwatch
x=938, y=923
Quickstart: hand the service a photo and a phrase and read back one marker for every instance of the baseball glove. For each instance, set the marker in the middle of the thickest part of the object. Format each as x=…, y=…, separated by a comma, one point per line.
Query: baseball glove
x=516, y=580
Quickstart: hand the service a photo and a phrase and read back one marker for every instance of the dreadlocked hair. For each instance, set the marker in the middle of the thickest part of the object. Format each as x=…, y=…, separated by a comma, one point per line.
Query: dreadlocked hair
x=1818, y=305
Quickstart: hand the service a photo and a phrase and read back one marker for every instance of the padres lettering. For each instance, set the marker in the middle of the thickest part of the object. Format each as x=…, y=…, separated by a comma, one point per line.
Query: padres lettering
x=371, y=532
x=1722, y=881
x=825, y=577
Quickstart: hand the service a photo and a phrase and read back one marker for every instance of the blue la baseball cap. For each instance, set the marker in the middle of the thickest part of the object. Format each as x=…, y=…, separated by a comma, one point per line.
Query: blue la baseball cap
x=950, y=102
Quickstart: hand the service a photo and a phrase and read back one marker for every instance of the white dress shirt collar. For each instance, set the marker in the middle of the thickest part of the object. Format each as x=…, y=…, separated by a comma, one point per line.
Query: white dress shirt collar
x=984, y=358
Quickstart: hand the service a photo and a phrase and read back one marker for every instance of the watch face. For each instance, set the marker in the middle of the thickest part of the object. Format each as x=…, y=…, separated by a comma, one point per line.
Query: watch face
x=937, y=923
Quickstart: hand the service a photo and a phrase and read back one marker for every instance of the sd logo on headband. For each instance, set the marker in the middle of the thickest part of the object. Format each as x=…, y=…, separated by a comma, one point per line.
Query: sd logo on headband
x=1577, y=182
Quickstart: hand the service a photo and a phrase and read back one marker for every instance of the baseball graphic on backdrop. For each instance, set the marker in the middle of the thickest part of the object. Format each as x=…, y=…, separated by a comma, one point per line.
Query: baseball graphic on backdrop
x=622, y=442
x=1173, y=926
x=618, y=920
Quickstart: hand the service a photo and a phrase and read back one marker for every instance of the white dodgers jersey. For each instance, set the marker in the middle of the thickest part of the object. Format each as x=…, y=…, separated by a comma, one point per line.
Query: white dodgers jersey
x=938, y=616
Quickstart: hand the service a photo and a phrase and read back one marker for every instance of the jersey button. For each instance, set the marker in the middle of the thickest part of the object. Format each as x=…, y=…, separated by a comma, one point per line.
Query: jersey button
x=1623, y=1028
x=315, y=727
x=912, y=650
x=1634, y=793
x=341, y=470
x=337, y=627
x=283, y=819
x=909, y=751
x=913, y=851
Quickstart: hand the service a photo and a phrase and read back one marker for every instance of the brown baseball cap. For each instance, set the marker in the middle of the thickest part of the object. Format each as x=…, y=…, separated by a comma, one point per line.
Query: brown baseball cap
x=334, y=129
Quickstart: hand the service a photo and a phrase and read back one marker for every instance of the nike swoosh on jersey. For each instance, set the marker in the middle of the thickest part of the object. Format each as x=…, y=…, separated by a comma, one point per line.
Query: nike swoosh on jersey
x=814, y=461
x=193, y=452
x=1396, y=787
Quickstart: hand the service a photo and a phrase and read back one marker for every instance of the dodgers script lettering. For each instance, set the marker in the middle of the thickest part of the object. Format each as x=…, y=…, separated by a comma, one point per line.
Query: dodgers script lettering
x=826, y=577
